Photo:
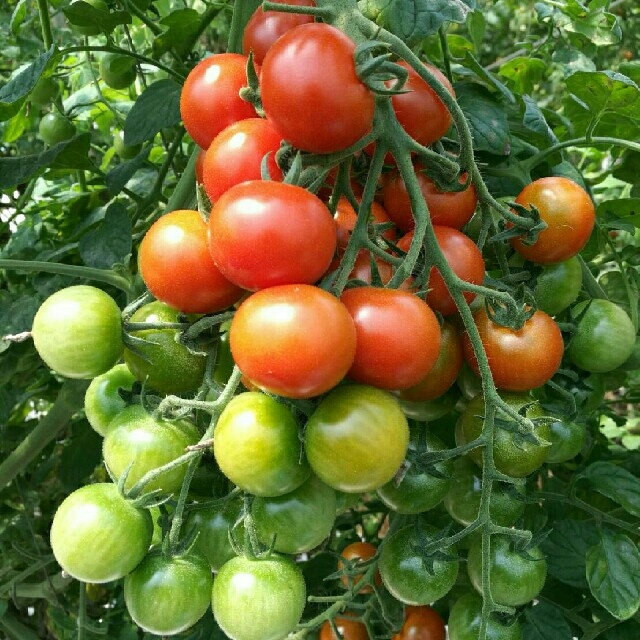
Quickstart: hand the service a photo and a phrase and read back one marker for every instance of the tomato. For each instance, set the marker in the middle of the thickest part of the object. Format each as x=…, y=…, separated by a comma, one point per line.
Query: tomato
x=362, y=270
x=77, y=331
x=199, y=166
x=308, y=77
x=55, y=128
x=236, y=155
x=355, y=554
x=265, y=27
x=117, y=71
x=446, y=208
x=263, y=234
x=178, y=269
x=356, y=438
x=210, y=98
x=397, y=337
x=421, y=488
x=346, y=217
x=604, y=336
x=462, y=500
x=516, y=577
x=165, y=595
x=258, y=599
x=294, y=340
x=521, y=359
x=421, y=623
x=257, y=447
x=569, y=214
x=139, y=442
x=558, y=286
x=44, y=91
x=161, y=361
x=428, y=410
x=405, y=573
x=214, y=525
x=567, y=440
x=99, y=536
x=419, y=110
x=444, y=372
x=348, y=628
x=125, y=151
x=465, y=618
x=298, y=521
x=102, y=400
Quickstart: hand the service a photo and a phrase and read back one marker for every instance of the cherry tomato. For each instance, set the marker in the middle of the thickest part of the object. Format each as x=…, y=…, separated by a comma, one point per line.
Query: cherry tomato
x=117, y=71
x=178, y=269
x=421, y=623
x=346, y=216
x=465, y=618
x=55, y=128
x=44, y=91
x=294, y=340
x=210, y=99
x=357, y=553
x=569, y=214
x=125, y=151
x=558, y=286
x=348, y=628
x=199, y=166
x=308, y=77
x=567, y=440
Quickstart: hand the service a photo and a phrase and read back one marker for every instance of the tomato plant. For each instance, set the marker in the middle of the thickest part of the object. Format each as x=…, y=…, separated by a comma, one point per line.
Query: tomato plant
x=465, y=618
x=352, y=555
x=421, y=623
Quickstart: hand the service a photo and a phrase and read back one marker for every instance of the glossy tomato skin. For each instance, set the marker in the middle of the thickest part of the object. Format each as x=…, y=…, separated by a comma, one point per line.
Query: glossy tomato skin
x=604, y=336
x=357, y=438
x=297, y=341
x=118, y=71
x=404, y=573
x=165, y=595
x=397, y=337
x=256, y=445
x=236, y=154
x=265, y=27
x=356, y=553
x=140, y=442
x=348, y=628
x=558, y=286
x=570, y=216
x=516, y=577
x=465, y=618
x=308, y=76
x=421, y=623
x=77, y=331
x=177, y=267
x=55, y=128
x=163, y=363
x=258, y=599
x=567, y=440
x=210, y=99
x=519, y=360
x=98, y=536
x=263, y=234
x=346, y=217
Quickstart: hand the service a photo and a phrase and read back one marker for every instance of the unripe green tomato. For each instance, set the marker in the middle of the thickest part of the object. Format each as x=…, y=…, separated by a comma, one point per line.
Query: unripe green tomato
x=465, y=618
x=126, y=152
x=558, y=286
x=55, y=128
x=44, y=91
x=118, y=71
x=567, y=439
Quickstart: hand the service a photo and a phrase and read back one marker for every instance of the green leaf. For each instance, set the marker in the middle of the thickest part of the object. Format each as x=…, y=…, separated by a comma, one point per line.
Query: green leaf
x=83, y=14
x=534, y=119
x=118, y=177
x=18, y=16
x=182, y=25
x=544, y=621
x=524, y=73
x=157, y=108
x=572, y=60
x=476, y=27
x=623, y=631
x=489, y=78
x=242, y=11
x=613, y=574
x=108, y=243
x=616, y=483
x=631, y=69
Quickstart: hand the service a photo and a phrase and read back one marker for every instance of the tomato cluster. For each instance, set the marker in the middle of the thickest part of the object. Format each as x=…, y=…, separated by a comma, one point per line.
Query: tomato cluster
x=298, y=349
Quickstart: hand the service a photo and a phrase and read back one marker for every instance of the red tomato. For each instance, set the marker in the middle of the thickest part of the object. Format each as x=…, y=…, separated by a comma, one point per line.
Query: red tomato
x=362, y=269
x=345, y=218
x=177, y=267
x=570, y=216
x=265, y=27
x=199, y=166
x=264, y=233
x=210, y=99
x=397, y=337
x=294, y=340
x=519, y=360
x=357, y=552
x=464, y=258
x=236, y=155
x=349, y=630
x=421, y=623
x=311, y=92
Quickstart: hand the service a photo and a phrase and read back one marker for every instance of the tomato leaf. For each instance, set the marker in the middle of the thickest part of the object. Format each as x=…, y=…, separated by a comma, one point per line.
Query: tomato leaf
x=110, y=242
x=614, y=482
x=524, y=73
x=613, y=574
x=83, y=14
x=623, y=631
x=544, y=621
x=620, y=213
x=182, y=25
x=18, y=16
x=118, y=177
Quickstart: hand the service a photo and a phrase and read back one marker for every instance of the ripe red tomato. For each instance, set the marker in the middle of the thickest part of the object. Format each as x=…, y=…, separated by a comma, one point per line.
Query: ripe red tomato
x=310, y=89
x=294, y=340
x=199, y=166
x=356, y=553
x=236, y=155
x=519, y=360
x=420, y=111
x=177, y=267
x=569, y=213
x=210, y=99
x=421, y=623
x=346, y=217
x=397, y=337
x=349, y=630
x=265, y=27
x=264, y=233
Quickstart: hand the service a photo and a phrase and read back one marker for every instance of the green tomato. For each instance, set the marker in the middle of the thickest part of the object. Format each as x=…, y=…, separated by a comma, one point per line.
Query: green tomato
x=99, y=536
x=165, y=595
x=405, y=573
x=558, y=286
x=357, y=438
x=125, y=151
x=567, y=439
x=297, y=521
x=55, y=128
x=102, y=400
x=428, y=410
x=465, y=617
x=44, y=91
x=118, y=71
x=139, y=442
x=78, y=332
x=604, y=336
x=161, y=361
x=257, y=446
x=258, y=599
x=516, y=577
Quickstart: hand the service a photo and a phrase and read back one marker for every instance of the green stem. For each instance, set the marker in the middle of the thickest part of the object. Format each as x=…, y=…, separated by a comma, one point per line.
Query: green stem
x=15, y=630
x=45, y=23
x=82, y=611
x=184, y=194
